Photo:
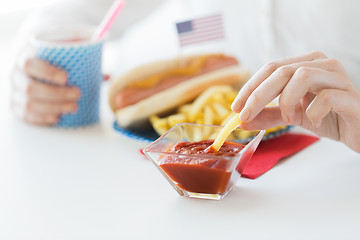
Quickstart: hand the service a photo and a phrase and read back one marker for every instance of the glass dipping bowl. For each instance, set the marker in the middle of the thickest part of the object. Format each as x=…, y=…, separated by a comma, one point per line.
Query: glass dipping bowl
x=199, y=175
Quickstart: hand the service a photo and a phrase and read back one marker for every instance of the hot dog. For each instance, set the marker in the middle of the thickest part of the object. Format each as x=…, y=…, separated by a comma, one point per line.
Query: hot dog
x=161, y=86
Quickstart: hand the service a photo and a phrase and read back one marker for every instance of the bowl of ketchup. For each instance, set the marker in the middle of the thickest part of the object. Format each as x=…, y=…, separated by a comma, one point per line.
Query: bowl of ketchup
x=181, y=156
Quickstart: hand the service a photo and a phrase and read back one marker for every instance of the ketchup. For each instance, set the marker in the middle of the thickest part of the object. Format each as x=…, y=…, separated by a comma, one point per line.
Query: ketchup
x=203, y=174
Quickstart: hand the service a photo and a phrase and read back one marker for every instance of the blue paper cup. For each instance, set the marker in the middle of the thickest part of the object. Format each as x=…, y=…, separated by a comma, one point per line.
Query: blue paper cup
x=70, y=48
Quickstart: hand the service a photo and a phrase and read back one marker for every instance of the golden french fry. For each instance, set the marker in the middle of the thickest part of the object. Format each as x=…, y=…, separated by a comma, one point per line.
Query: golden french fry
x=197, y=135
x=227, y=118
x=175, y=119
x=159, y=124
x=200, y=121
x=213, y=135
x=184, y=109
x=205, y=97
x=220, y=111
x=218, y=97
x=212, y=107
x=244, y=134
x=225, y=132
x=209, y=119
x=275, y=129
x=230, y=97
x=208, y=115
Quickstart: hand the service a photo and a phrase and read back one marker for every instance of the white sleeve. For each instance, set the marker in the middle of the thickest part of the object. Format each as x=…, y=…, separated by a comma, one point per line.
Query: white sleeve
x=61, y=12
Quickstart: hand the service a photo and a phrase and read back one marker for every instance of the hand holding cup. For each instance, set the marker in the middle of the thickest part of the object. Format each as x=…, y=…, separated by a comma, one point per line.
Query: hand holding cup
x=40, y=92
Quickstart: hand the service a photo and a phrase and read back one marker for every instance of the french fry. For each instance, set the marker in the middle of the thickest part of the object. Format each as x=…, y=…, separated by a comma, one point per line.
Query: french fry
x=185, y=109
x=159, y=124
x=221, y=112
x=230, y=126
x=206, y=97
x=230, y=97
x=198, y=104
x=208, y=115
x=175, y=119
x=227, y=118
x=212, y=107
x=200, y=121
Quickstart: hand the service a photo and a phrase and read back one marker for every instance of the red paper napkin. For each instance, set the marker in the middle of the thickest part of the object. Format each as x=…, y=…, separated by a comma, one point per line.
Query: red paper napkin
x=269, y=152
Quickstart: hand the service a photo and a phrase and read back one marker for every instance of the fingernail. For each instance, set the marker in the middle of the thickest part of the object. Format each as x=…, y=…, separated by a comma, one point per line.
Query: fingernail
x=69, y=108
x=244, y=115
x=74, y=108
x=236, y=105
x=74, y=93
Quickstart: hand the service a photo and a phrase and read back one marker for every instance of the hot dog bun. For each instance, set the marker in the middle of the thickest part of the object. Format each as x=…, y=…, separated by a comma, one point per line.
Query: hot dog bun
x=134, y=115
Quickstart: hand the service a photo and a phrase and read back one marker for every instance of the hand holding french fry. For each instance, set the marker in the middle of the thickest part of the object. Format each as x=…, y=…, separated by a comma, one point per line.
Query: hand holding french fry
x=315, y=93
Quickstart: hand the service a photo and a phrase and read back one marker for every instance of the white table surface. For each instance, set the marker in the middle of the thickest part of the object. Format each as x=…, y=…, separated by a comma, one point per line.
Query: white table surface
x=93, y=183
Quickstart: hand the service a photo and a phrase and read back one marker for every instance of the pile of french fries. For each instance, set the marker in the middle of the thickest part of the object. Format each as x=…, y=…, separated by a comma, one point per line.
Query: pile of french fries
x=212, y=107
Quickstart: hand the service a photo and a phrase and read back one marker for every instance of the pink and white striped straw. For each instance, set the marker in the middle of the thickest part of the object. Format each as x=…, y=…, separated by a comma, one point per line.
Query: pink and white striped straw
x=109, y=19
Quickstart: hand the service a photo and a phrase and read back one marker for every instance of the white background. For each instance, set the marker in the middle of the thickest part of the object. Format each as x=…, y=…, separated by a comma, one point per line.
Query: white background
x=93, y=184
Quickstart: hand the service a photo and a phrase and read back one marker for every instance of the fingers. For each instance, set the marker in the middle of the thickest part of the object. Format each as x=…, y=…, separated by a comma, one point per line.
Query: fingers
x=295, y=78
x=28, y=108
x=41, y=113
x=39, y=69
x=47, y=92
x=265, y=72
x=45, y=119
x=41, y=119
x=38, y=90
x=305, y=80
x=342, y=102
x=316, y=94
x=293, y=82
x=41, y=103
x=40, y=107
x=269, y=117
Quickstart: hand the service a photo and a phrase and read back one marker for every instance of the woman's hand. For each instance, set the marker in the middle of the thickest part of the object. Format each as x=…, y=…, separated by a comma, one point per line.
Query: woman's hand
x=40, y=94
x=315, y=93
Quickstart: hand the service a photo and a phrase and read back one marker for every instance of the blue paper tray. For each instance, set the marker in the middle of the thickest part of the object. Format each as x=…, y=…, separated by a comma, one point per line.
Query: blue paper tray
x=149, y=135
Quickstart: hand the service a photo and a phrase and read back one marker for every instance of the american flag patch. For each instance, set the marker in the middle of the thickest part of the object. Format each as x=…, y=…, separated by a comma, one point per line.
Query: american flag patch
x=199, y=30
